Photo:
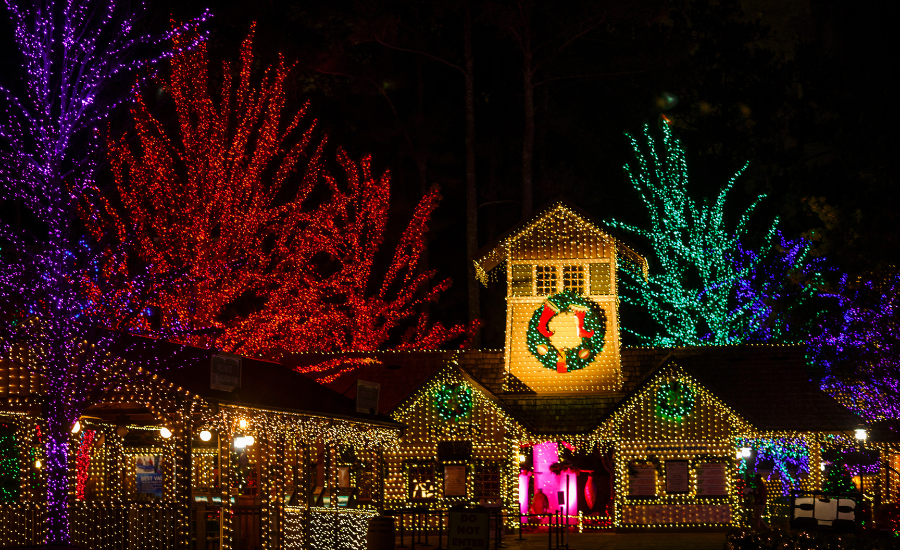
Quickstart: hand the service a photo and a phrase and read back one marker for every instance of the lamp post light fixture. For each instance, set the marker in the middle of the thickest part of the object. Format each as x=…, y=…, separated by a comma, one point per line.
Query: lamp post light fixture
x=745, y=452
x=76, y=427
x=205, y=435
x=165, y=433
x=861, y=434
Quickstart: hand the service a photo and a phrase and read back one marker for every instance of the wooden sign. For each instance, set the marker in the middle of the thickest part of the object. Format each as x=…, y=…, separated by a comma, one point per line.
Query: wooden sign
x=677, y=477
x=469, y=530
x=712, y=480
x=642, y=481
x=225, y=372
x=455, y=481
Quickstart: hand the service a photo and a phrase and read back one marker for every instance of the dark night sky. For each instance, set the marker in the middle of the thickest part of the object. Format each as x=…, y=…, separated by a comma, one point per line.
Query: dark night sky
x=797, y=87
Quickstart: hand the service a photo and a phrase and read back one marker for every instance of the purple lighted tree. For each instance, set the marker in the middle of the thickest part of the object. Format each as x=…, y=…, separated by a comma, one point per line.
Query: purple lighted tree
x=74, y=54
x=858, y=346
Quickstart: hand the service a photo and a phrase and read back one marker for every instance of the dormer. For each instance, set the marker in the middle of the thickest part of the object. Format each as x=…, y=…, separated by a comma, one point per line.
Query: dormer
x=562, y=322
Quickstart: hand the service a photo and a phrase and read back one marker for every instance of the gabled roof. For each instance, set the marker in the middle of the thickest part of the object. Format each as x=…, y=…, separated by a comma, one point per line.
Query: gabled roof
x=492, y=254
x=767, y=386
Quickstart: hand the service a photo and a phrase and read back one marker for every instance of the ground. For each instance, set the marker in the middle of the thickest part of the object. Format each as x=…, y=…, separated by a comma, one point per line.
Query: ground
x=608, y=541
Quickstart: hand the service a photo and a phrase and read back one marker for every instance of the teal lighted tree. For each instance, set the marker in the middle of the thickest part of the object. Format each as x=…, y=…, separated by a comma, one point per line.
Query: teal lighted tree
x=696, y=291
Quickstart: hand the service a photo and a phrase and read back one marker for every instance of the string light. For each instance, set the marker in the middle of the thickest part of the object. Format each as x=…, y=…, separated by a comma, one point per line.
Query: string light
x=74, y=54
x=166, y=191
x=704, y=292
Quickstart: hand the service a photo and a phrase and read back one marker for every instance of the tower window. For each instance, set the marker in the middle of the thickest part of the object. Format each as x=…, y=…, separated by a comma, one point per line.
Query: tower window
x=573, y=278
x=545, y=280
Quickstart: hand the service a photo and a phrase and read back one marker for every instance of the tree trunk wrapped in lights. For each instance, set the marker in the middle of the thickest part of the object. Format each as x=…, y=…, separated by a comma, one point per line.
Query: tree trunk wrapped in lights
x=226, y=200
x=73, y=54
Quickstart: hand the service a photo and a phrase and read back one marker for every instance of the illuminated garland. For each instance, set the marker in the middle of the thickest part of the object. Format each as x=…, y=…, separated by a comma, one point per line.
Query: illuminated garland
x=591, y=330
x=674, y=400
x=453, y=401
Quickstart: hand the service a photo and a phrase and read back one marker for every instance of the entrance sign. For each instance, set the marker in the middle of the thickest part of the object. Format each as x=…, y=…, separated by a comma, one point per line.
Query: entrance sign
x=225, y=372
x=677, y=476
x=454, y=481
x=469, y=530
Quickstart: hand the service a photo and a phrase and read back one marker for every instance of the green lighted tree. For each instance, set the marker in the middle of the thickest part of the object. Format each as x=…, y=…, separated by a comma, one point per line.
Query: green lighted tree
x=693, y=292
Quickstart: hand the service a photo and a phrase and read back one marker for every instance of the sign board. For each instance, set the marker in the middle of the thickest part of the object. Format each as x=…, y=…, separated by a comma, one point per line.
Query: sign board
x=148, y=476
x=677, y=476
x=642, y=481
x=469, y=530
x=454, y=481
x=367, y=396
x=712, y=480
x=225, y=372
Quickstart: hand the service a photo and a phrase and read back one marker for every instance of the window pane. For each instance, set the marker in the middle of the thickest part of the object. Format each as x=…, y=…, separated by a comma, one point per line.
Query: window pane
x=573, y=278
x=545, y=278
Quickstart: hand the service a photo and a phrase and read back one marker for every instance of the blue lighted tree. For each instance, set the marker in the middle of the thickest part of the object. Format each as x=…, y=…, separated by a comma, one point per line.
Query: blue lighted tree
x=706, y=287
x=75, y=54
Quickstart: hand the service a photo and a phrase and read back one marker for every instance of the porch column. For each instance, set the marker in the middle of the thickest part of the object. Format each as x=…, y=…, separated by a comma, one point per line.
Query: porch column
x=225, y=439
x=183, y=434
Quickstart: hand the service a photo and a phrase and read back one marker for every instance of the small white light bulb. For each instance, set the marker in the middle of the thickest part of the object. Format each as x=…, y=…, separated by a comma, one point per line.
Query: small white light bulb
x=205, y=435
x=165, y=433
x=38, y=464
x=76, y=427
x=861, y=434
x=242, y=423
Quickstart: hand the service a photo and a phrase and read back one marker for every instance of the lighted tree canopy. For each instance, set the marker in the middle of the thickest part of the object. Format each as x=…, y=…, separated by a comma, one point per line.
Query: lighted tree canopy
x=856, y=350
x=226, y=198
x=706, y=285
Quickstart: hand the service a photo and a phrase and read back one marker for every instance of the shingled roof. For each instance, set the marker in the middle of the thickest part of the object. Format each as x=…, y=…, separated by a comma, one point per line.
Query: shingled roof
x=399, y=373
x=766, y=385
x=264, y=385
x=769, y=386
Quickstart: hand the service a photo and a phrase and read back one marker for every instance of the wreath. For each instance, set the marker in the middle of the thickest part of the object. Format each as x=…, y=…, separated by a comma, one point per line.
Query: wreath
x=453, y=401
x=591, y=330
x=674, y=400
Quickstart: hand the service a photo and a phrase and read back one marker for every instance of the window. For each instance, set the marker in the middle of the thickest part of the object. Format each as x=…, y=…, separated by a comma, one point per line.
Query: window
x=600, y=279
x=487, y=481
x=520, y=285
x=421, y=482
x=573, y=278
x=545, y=280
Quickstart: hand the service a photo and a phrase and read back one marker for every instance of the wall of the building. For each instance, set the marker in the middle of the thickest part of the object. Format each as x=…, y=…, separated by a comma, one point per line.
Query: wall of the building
x=415, y=476
x=560, y=242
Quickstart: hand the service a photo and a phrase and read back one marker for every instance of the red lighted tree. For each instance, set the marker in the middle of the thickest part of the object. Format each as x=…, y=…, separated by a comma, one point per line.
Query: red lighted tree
x=226, y=202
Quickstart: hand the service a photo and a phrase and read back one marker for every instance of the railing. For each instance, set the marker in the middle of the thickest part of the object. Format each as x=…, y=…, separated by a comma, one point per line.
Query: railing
x=423, y=527
x=94, y=525
x=21, y=524
x=338, y=529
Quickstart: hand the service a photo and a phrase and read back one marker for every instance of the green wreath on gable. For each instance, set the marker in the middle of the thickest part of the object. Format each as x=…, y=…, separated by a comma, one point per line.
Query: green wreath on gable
x=674, y=400
x=453, y=401
x=591, y=330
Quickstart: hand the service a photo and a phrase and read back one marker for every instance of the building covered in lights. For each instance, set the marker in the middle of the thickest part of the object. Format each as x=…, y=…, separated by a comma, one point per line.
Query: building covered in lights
x=210, y=451
x=564, y=419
